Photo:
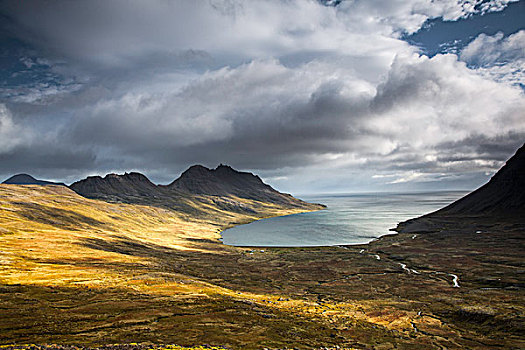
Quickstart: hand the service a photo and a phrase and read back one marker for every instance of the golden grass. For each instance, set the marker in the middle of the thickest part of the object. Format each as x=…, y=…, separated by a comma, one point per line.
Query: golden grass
x=43, y=224
x=45, y=227
x=53, y=238
x=48, y=235
x=129, y=345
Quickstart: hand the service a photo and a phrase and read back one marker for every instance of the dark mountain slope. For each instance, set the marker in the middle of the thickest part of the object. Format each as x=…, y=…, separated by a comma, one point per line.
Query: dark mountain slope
x=504, y=194
x=225, y=181
x=116, y=186
x=197, y=191
x=132, y=188
x=25, y=179
x=502, y=199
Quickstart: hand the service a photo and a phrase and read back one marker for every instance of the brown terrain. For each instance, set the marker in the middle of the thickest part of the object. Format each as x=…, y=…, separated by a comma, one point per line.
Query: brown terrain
x=141, y=263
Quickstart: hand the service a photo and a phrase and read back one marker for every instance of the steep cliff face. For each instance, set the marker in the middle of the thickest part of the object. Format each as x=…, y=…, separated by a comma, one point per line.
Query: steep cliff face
x=503, y=195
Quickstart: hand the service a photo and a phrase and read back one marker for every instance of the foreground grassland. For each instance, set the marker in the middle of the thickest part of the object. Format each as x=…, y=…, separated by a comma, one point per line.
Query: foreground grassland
x=87, y=272
x=130, y=346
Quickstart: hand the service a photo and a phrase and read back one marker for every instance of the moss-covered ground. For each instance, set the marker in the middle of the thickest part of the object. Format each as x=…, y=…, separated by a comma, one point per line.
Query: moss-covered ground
x=80, y=272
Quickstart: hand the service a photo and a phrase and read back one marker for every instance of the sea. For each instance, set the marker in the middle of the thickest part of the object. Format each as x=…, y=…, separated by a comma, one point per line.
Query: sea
x=348, y=219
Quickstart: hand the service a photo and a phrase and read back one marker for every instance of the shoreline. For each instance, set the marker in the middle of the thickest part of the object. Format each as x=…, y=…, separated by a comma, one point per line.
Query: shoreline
x=370, y=232
x=220, y=240
x=227, y=227
x=177, y=285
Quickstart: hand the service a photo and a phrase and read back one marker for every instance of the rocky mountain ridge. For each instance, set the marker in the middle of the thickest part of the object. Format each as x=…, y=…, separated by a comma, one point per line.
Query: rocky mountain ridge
x=222, y=187
x=115, y=185
x=226, y=181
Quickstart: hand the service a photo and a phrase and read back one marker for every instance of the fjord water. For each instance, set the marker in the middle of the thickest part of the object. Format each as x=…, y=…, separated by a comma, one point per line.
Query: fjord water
x=348, y=219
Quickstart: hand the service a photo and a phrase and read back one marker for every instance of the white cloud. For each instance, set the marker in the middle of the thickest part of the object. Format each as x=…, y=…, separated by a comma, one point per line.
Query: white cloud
x=114, y=32
x=399, y=16
x=497, y=57
x=263, y=114
x=409, y=177
x=11, y=134
x=269, y=85
x=428, y=101
x=486, y=50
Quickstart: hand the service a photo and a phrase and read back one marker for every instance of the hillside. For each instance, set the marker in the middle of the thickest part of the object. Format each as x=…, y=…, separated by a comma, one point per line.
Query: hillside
x=503, y=195
x=84, y=272
x=501, y=199
x=226, y=181
x=88, y=272
x=25, y=179
x=198, y=187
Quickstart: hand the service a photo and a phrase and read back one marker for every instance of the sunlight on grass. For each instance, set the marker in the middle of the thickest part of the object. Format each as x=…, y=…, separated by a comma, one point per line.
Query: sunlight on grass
x=54, y=238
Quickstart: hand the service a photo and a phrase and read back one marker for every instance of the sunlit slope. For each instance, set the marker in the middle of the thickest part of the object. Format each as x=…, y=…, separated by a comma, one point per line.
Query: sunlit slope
x=81, y=271
x=199, y=193
x=44, y=228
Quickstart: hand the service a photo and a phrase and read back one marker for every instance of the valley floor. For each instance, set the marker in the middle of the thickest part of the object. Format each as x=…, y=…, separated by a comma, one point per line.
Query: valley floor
x=86, y=272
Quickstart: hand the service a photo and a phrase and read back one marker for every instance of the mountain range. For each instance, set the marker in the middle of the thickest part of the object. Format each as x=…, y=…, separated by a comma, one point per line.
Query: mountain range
x=228, y=189
x=222, y=188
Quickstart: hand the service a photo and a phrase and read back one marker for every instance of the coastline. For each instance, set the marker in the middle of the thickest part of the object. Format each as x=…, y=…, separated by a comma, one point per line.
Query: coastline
x=143, y=275
x=301, y=211
x=350, y=219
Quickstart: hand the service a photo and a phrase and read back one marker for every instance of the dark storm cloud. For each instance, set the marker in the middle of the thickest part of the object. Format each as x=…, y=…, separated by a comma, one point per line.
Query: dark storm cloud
x=269, y=131
x=481, y=147
x=49, y=161
x=294, y=90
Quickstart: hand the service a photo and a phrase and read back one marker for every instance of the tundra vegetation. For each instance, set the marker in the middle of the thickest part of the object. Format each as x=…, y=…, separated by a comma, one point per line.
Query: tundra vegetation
x=88, y=272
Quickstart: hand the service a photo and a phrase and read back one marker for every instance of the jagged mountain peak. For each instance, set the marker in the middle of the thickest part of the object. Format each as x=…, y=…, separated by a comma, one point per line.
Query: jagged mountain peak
x=223, y=167
x=128, y=176
x=194, y=183
x=198, y=168
x=223, y=180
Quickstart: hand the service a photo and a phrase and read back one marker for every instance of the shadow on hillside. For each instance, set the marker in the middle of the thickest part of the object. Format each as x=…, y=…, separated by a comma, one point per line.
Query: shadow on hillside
x=195, y=263
x=59, y=218
x=128, y=246
x=331, y=274
x=96, y=316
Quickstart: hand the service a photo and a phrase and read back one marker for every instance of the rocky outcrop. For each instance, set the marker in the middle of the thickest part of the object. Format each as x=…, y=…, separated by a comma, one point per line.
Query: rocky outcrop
x=223, y=188
x=226, y=181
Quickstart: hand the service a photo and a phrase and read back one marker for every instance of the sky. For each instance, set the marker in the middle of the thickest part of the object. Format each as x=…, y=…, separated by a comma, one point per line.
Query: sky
x=314, y=96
